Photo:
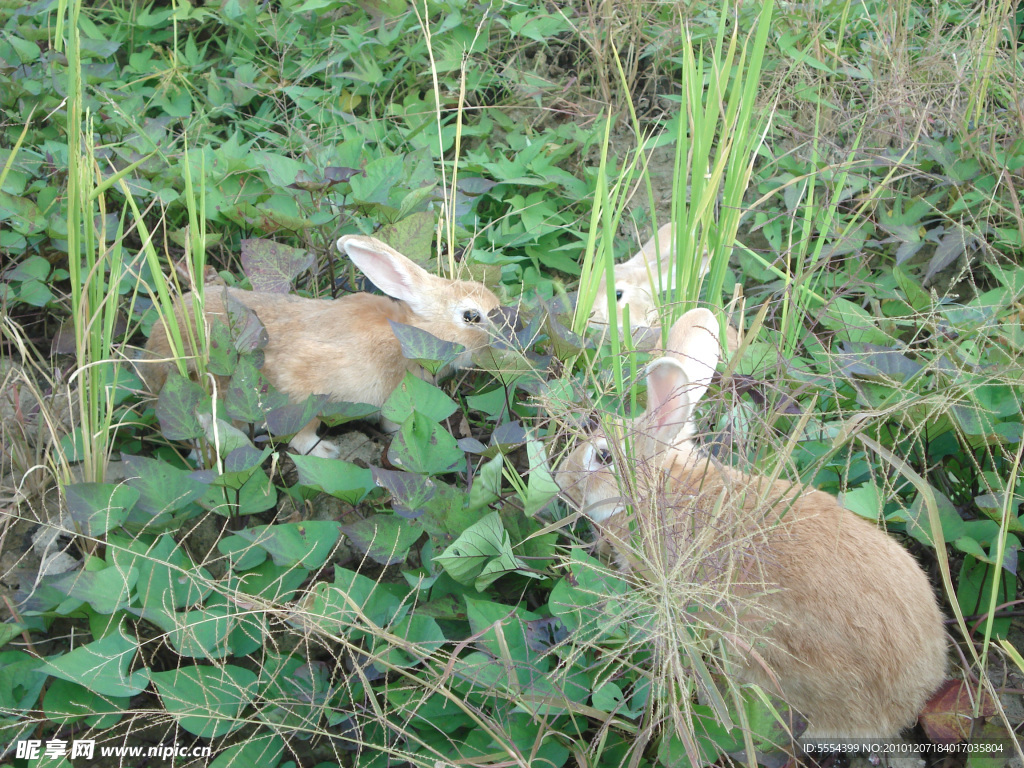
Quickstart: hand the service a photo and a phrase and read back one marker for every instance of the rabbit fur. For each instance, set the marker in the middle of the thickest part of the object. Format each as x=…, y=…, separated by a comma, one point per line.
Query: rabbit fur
x=831, y=613
x=345, y=348
x=637, y=283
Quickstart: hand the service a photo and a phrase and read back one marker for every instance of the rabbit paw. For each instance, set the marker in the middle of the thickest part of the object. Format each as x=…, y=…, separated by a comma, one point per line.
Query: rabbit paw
x=311, y=445
x=325, y=449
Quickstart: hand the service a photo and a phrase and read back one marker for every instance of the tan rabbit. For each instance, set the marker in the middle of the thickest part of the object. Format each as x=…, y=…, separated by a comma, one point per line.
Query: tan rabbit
x=824, y=608
x=345, y=348
x=638, y=281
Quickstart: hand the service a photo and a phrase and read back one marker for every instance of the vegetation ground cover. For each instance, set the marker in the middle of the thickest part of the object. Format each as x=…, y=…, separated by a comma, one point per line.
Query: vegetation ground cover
x=170, y=576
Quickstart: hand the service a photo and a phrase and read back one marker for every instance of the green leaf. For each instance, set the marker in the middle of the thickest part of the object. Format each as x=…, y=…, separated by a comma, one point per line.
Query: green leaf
x=341, y=479
x=425, y=447
x=334, y=413
x=23, y=50
x=245, y=458
x=502, y=629
x=235, y=335
x=207, y=701
x=106, y=590
x=177, y=406
x=20, y=683
x=280, y=169
x=249, y=395
x=271, y=582
x=587, y=601
x=21, y=214
x=428, y=713
x=412, y=236
x=102, y=666
x=98, y=507
x=486, y=486
x=919, y=523
x=416, y=394
x=438, y=506
x=265, y=219
x=541, y=487
x=482, y=554
x=422, y=631
x=974, y=591
x=339, y=607
x=35, y=293
x=248, y=492
x=379, y=177
x=711, y=740
x=32, y=268
x=262, y=749
x=225, y=436
x=66, y=702
x=863, y=500
x=286, y=420
x=306, y=545
x=162, y=488
x=385, y=539
x=168, y=579
x=196, y=634
x=10, y=631
x=425, y=348
x=272, y=266
x=853, y=323
x=609, y=698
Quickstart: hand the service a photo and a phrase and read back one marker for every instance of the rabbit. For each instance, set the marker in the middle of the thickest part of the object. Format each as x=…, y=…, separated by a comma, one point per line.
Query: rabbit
x=638, y=281
x=830, y=612
x=345, y=348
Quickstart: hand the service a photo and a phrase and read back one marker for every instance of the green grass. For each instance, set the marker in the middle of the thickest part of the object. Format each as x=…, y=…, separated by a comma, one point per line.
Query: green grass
x=853, y=170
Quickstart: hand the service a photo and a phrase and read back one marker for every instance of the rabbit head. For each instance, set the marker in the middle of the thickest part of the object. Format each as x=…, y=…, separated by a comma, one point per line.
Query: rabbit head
x=638, y=281
x=459, y=311
x=675, y=383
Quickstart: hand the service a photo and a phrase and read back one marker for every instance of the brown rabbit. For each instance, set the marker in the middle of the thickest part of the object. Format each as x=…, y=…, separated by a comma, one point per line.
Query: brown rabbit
x=829, y=612
x=345, y=348
x=638, y=281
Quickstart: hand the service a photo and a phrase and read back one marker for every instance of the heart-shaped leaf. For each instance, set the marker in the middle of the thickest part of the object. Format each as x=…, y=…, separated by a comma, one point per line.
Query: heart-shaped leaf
x=341, y=479
x=99, y=507
x=177, y=408
x=207, y=701
x=482, y=554
x=425, y=447
x=102, y=666
x=272, y=266
x=413, y=393
x=426, y=349
x=306, y=545
x=385, y=539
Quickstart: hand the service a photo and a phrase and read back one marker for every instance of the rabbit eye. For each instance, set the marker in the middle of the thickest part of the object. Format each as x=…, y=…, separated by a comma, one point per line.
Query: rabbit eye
x=603, y=456
x=618, y=295
x=471, y=316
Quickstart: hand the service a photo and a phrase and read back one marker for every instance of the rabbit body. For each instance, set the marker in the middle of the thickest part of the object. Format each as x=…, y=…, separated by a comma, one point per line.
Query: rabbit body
x=826, y=610
x=345, y=348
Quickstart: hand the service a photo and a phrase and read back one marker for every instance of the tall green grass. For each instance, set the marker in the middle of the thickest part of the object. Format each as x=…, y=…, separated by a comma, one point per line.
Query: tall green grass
x=717, y=137
x=102, y=269
x=96, y=267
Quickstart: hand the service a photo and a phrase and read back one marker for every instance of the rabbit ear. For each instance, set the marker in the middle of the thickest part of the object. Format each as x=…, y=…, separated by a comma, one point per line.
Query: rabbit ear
x=668, y=401
x=389, y=270
x=694, y=343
